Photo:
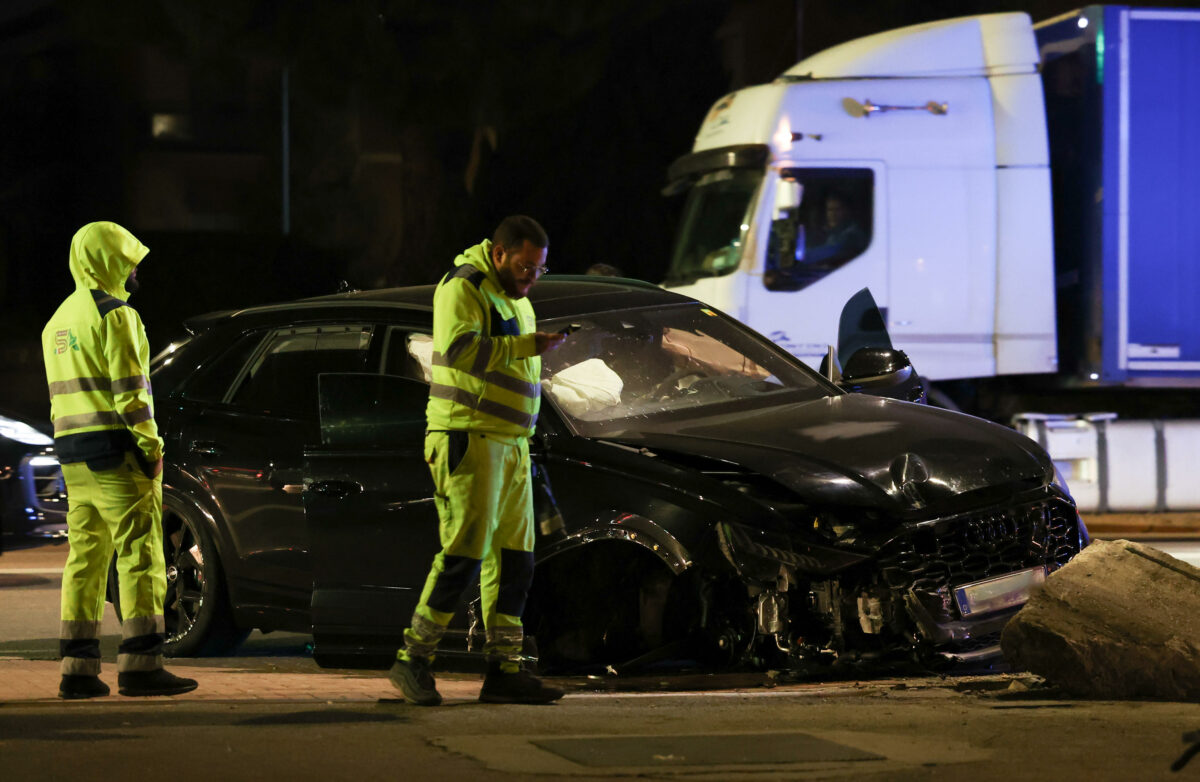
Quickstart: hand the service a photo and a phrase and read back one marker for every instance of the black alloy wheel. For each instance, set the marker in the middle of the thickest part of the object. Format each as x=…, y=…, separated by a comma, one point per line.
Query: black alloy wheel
x=196, y=609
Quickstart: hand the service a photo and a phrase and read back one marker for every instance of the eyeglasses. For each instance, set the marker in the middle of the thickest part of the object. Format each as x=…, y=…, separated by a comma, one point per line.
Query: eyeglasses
x=536, y=270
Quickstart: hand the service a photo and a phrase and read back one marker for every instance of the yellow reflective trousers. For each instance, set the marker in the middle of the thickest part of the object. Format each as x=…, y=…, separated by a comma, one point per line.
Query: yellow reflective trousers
x=485, y=509
x=113, y=510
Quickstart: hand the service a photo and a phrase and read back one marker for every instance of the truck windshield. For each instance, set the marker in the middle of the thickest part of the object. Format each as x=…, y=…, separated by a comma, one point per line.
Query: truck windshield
x=624, y=368
x=715, y=221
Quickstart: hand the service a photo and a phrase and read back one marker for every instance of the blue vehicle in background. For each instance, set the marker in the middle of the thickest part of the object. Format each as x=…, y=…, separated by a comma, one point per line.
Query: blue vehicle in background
x=33, y=499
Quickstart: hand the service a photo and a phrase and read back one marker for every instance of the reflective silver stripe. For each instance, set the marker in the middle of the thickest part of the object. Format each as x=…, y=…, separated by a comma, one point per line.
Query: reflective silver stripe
x=131, y=383
x=509, y=383
x=506, y=413
x=486, y=346
x=138, y=662
x=79, y=629
x=458, y=346
x=495, y=409
x=137, y=416
x=443, y=391
x=505, y=642
x=506, y=635
x=80, y=666
x=134, y=626
x=102, y=418
x=80, y=384
x=423, y=637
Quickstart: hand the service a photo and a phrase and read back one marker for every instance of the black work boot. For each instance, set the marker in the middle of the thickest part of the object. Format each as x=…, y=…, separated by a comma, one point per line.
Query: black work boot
x=76, y=686
x=519, y=687
x=159, y=682
x=415, y=682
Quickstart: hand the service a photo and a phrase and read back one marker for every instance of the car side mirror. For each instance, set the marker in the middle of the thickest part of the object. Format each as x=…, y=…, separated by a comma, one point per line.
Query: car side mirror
x=883, y=372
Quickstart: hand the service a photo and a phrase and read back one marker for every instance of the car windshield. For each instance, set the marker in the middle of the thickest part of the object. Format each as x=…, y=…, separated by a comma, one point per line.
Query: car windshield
x=715, y=221
x=668, y=362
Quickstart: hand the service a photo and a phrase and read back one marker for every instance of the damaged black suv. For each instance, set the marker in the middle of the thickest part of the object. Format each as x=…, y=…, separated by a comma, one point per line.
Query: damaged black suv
x=716, y=500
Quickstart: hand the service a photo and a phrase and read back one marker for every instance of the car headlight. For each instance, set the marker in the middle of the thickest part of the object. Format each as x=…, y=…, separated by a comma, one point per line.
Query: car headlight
x=22, y=432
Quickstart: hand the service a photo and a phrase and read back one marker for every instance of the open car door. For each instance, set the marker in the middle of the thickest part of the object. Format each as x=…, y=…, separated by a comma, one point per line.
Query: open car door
x=369, y=505
x=870, y=364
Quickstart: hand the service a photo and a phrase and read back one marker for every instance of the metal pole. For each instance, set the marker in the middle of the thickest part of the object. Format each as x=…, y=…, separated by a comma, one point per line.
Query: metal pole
x=286, y=155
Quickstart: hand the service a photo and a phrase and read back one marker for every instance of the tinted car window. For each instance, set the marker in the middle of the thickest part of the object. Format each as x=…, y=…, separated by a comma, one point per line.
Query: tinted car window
x=283, y=378
x=407, y=353
x=212, y=381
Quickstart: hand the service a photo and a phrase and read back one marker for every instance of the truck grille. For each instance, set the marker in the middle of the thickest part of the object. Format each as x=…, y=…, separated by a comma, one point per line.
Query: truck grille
x=935, y=556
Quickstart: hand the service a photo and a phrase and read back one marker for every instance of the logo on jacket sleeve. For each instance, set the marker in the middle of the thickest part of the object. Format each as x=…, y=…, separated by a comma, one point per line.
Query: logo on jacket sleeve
x=64, y=339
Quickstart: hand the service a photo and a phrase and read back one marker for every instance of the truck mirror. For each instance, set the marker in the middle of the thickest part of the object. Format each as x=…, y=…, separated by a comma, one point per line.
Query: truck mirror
x=787, y=242
x=788, y=194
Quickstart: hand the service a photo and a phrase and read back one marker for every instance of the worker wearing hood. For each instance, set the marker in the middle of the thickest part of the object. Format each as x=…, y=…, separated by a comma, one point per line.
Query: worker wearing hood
x=484, y=398
x=98, y=369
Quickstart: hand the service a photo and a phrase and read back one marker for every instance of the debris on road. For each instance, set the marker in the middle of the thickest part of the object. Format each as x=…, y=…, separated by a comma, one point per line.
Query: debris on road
x=1118, y=621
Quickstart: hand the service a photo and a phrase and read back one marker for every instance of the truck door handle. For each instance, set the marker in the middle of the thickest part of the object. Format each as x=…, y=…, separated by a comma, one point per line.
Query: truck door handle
x=206, y=448
x=338, y=490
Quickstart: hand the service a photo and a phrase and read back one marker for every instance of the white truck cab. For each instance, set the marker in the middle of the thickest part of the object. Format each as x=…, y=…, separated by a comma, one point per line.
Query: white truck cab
x=913, y=162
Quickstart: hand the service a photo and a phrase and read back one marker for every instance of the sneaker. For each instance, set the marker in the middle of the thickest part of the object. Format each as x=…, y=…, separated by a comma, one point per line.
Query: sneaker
x=519, y=687
x=414, y=680
x=75, y=686
x=160, y=682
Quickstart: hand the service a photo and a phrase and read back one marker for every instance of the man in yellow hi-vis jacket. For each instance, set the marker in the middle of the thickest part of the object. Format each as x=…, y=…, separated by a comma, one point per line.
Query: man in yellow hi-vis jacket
x=483, y=405
x=97, y=365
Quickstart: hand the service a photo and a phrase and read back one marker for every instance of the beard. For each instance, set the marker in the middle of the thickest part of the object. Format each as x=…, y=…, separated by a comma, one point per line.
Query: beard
x=132, y=284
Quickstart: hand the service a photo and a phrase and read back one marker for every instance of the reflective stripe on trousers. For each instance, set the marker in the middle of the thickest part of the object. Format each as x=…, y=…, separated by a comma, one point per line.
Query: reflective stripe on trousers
x=109, y=511
x=485, y=509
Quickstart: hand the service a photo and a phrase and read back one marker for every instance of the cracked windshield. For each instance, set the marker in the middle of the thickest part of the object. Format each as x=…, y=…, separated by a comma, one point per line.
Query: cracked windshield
x=673, y=362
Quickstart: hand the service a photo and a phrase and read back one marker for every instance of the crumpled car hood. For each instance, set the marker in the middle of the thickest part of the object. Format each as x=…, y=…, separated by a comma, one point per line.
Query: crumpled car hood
x=862, y=451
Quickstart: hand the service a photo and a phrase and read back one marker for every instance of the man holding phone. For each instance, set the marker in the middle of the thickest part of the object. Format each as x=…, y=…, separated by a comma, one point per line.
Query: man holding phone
x=483, y=405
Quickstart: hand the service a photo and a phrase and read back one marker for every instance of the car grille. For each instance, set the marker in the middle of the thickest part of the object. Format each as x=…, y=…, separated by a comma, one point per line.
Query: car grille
x=935, y=556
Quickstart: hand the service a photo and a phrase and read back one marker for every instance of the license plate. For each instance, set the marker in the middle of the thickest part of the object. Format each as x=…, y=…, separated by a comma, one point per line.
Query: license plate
x=995, y=594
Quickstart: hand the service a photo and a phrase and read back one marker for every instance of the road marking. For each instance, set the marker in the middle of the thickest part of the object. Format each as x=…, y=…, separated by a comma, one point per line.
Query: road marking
x=29, y=571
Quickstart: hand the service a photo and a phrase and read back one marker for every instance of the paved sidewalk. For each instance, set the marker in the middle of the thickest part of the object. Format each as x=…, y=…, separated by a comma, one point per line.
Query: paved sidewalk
x=37, y=680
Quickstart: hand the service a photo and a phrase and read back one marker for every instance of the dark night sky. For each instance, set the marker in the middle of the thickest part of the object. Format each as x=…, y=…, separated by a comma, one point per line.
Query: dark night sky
x=414, y=126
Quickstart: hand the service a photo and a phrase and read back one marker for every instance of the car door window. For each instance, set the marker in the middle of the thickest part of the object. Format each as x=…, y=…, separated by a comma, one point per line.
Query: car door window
x=407, y=353
x=282, y=379
x=831, y=227
x=211, y=382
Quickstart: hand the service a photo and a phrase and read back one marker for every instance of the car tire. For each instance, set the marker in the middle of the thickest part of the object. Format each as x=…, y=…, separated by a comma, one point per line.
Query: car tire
x=196, y=607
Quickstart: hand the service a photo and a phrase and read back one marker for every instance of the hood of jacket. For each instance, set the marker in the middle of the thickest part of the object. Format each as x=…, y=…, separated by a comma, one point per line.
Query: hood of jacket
x=102, y=256
x=480, y=256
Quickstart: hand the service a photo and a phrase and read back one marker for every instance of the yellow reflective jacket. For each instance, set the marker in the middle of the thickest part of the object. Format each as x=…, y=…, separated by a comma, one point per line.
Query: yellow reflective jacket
x=486, y=376
x=97, y=357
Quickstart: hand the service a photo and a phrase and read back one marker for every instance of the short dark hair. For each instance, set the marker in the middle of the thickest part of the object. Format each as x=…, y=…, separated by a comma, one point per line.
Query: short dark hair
x=515, y=230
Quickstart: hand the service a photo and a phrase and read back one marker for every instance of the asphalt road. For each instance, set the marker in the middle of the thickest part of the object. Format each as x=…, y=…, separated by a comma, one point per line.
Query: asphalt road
x=271, y=713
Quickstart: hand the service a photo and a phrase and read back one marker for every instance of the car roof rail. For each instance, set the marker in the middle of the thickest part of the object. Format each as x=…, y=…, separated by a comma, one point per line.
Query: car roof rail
x=627, y=281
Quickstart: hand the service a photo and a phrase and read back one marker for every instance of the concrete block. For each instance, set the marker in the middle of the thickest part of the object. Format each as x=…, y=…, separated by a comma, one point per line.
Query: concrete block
x=1121, y=620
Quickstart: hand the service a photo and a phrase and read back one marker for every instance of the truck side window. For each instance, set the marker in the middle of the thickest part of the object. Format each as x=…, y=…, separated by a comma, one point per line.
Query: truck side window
x=831, y=227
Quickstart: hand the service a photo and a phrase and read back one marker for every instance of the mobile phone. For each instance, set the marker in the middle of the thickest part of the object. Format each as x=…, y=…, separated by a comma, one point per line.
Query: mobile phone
x=571, y=329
